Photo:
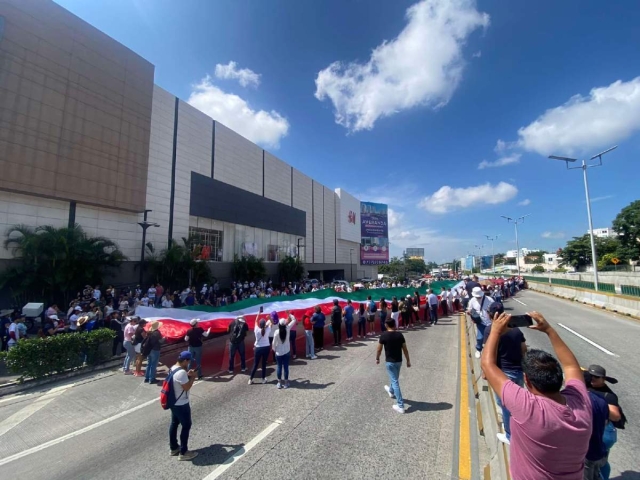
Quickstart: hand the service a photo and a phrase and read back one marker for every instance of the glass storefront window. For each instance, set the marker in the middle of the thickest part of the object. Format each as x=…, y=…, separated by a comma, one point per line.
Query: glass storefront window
x=206, y=244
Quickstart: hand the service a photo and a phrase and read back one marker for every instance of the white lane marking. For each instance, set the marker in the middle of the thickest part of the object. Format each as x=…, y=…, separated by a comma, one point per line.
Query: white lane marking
x=24, y=413
x=591, y=342
x=243, y=451
x=521, y=303
x=51, y=443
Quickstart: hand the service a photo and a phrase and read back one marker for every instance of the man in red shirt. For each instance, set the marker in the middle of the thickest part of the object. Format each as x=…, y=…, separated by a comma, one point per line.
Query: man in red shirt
x=550, y=427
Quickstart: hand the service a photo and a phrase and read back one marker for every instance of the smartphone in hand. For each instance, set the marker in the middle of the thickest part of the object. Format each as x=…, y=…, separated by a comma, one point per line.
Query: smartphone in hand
x=520, y=321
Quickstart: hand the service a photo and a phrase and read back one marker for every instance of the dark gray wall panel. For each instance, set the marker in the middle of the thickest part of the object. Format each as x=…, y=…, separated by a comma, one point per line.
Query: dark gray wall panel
x=214, y=199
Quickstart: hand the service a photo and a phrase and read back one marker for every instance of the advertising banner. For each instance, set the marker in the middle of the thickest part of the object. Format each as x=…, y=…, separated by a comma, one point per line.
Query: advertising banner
x=374, y=233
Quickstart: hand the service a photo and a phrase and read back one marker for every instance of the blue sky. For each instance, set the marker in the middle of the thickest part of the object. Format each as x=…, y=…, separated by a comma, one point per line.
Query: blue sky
x=421, y=95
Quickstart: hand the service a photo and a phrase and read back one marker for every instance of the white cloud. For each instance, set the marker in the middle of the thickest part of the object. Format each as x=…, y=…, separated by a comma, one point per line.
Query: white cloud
x=259, y=126
x=394, y=218
x=245, y=76
x=448, y=199
x=524, y=202
x=405, y=236
x=607, y=115
x=501, y=162
x=478, y=54
x=553, y=235
x=422, y=66
x=500, y=147
x=599, y=199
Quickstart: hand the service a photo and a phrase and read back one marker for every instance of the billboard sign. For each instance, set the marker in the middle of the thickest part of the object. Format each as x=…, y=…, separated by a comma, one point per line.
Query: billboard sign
x=348, y=212
x=415, y=252
x=374, y=234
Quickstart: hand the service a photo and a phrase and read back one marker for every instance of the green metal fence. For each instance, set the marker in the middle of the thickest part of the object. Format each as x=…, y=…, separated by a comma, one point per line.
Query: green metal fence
x=631, y=290
x=604, y=287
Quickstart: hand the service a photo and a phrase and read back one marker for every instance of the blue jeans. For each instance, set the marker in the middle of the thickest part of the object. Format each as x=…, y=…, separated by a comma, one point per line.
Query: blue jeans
x=180, y=415
x=518, y=379
x=196, y=357
x=152, y=366
x=283, y=362
x=480, y=335
x=131, y=355
x=393, y=369
x=348, y=324
x=233, y=348
x=292, y=341
x=362, y=326
x=434, y=313
x=609, y=438
x=309, y=347
x=260, y=358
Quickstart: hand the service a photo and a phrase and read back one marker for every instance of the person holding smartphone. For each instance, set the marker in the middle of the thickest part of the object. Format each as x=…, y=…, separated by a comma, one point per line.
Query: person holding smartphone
x=181, y=409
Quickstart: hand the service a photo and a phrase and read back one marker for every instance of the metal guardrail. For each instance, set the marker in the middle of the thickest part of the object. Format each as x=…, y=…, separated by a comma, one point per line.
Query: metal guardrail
x=630, y=290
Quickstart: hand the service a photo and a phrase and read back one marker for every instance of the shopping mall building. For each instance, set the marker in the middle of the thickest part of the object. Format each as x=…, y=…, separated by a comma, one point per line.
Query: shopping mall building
x=86, y=137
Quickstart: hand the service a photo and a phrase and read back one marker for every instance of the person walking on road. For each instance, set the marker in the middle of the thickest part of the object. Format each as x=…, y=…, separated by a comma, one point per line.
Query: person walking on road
x=151, y=349
x=282, y=348
x=511, y=349
x=318, y=319
x=308, y=333
x=181, y=409
x=362, y=320
x=550, y=426
x=479, y=311
x=394, y=346
x=194, y=340
x=261, y=348
x=129, y=332
x=238, y=331
x=336, y=323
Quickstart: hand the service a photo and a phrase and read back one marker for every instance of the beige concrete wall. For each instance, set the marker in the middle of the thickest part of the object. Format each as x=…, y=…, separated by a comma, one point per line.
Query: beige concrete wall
x=75, y=109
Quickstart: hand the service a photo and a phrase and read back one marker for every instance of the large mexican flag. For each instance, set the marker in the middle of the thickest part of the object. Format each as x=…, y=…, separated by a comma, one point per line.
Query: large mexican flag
x=175, y=321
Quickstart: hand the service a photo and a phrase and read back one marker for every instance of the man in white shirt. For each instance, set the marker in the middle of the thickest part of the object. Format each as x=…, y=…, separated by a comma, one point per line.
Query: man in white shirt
x=181, y=410
x=432, y=299
x=479, y=311
x=151, y=293
x=14, y=333
x=97, y=293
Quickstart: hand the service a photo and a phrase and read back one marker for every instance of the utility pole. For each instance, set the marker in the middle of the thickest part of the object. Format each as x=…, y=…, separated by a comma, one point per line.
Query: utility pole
x=515, y=223
x=493, y=255
x=145, y=225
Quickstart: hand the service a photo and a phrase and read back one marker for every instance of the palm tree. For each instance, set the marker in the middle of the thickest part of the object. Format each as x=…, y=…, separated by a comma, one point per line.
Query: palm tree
x=56, y=262
x=176, y=266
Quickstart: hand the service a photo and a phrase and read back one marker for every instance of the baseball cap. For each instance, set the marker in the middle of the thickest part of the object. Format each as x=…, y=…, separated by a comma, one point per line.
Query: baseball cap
x=193, y=322
x=186, y=355
x=599, y=371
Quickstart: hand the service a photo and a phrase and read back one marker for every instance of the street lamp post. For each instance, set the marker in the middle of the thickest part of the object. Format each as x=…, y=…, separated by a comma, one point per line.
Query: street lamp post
x=145, y=225
x=515, y=223
x=480, y=247
x=351, y=250
x=493, y=255
x=583, y=167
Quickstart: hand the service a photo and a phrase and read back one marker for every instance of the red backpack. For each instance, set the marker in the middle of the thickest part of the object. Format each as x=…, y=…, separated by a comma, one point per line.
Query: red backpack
x=167, y=393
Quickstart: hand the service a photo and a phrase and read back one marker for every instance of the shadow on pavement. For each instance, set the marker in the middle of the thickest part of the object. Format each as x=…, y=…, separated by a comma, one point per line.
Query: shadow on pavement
x=355, y=344
x=627, y=475
x=215, y=454
x=307, y=385
x=327, y=357
x=426, y=406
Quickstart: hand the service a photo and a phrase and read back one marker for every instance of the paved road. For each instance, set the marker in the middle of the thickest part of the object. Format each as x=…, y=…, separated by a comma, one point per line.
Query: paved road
x=335, y=422
x=617, y=334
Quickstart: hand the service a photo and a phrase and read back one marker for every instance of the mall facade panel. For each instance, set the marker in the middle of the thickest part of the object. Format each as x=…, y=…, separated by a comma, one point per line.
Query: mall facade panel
x=87, y=138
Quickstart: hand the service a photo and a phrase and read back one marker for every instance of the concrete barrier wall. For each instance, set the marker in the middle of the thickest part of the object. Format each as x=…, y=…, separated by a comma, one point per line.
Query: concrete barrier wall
x=614, y=303
x=616, y=278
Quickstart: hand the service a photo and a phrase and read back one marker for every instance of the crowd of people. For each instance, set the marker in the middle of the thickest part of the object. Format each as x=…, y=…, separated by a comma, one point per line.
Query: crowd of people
x=553, y=432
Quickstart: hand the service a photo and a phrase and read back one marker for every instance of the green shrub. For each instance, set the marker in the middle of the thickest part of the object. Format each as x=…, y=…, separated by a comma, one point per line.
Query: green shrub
x=39, y=357
x=560, y=270
x=538, y=269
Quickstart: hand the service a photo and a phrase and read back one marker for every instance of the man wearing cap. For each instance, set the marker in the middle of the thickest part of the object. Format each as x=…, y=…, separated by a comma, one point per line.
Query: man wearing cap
x=479, y=311
x=73, y=319
x=181, y=410
x=597, y=379
x=194, y=339
x=511, y=349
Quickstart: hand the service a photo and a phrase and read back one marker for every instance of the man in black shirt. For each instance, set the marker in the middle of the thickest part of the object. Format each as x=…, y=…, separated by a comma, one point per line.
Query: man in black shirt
x=511, y=349
x=469, y=284
x=336, y=323
x=394, y=345
x=238, y=330
x=194, y=339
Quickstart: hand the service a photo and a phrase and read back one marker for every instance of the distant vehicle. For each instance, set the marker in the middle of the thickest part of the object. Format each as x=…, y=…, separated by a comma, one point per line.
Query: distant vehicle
x=366, y=280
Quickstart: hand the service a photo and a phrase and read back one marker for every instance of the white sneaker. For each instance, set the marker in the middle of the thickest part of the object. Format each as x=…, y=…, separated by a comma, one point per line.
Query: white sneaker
x=477, y=354
x=264, y=380
x=279, y=385
x=503, y=438
x=398, y=409
x=388, y=390
x=314, y=358
x=250, y=381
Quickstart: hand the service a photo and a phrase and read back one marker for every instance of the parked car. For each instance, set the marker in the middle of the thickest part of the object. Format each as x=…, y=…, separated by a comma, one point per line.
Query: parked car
x=366, y=280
